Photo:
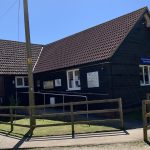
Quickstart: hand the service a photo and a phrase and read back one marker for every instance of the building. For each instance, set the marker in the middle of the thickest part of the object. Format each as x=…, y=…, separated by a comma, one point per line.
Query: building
x=110, y=60
x=13, y=69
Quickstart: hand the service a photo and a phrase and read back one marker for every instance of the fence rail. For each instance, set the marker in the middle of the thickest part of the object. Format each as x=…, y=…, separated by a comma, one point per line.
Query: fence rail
x=146, y=117
x=72, y=113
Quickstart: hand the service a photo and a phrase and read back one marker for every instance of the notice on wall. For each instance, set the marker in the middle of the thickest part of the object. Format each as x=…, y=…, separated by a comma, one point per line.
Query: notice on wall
x=92, y=79
x=57, y=82
x=48, y=84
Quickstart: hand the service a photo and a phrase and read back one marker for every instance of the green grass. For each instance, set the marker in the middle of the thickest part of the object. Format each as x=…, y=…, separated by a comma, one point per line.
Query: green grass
x=54, y=130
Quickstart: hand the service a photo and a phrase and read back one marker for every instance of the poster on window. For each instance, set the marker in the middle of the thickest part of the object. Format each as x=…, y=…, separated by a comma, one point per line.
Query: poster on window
x=92, y=79
x=48, y=85
x=57, y=82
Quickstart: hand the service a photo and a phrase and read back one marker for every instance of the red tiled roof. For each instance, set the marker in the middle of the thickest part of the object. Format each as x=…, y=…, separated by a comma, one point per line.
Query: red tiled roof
x=13, y=57
x=94, y=44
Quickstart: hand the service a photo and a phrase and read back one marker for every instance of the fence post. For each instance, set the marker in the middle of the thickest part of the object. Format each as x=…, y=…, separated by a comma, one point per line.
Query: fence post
x=72, y=120
x=121, y=113
x=11, y=118
x=144, y=121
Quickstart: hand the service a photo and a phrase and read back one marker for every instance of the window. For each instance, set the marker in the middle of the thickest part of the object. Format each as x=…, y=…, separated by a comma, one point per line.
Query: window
x=48, y=84
x=57, y=82
x=21, y=82
x=145, y=75
x=73, y=79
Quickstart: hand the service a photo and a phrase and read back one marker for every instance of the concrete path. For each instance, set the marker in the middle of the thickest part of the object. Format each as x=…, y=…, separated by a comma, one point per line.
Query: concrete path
x=7, y=142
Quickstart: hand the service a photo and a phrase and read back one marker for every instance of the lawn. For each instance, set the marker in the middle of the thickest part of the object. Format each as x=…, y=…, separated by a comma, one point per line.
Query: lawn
x=54, y=130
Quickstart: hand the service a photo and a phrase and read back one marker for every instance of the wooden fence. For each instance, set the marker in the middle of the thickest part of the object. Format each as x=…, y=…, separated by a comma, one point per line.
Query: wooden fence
x=146, y=117
x=70, y=113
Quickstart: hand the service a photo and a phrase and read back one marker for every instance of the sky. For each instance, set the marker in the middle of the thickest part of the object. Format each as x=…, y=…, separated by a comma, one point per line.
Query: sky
x=51, y=20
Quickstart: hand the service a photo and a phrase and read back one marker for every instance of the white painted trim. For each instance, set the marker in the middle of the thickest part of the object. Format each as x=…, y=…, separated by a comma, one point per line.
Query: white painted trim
x=75, y=88
x=148, y=67
x=37, y=60
x=20, y=86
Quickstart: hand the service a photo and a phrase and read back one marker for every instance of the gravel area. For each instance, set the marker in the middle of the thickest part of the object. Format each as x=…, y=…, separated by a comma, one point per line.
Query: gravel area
x=120, y=146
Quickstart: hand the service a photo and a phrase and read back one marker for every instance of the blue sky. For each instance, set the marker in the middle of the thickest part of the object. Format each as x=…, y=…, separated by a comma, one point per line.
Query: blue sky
x=51, y=20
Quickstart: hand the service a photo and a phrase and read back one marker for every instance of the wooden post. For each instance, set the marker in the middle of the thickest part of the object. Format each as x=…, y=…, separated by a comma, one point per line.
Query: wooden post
x=31, y=117
x=121, y=113
x=72, y=120
x=11, y=119
x=29, y=59
x=144, y=121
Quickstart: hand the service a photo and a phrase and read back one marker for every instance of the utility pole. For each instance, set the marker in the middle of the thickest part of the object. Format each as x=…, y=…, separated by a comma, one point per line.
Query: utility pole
x=29, y=63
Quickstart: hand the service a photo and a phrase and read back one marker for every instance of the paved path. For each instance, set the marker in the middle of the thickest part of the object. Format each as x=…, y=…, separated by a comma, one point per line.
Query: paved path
x=7, y=142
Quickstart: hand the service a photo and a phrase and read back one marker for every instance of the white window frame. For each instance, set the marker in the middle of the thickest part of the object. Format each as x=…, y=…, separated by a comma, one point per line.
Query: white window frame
x=148, y=66
x=23, y=85
x=74, y=88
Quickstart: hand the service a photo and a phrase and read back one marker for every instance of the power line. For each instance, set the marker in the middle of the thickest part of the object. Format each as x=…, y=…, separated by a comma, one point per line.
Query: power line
x=8, y=9
x=18, y=19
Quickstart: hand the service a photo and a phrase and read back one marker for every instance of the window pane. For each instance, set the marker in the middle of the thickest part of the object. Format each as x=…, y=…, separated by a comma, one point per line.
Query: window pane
x=19, y=82
x=70, y=79
x=146, y=74
x=25, y=81
x=77, y=78
x=141, y=76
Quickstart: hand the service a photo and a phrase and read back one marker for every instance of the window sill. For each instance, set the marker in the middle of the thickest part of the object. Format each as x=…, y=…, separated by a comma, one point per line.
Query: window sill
x=73, y=89
x=145, y=84
x=20, y=87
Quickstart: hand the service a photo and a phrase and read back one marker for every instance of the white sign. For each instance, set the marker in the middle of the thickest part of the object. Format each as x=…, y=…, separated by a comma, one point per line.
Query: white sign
x=57, y=82
x=52, y=100
x=48, y=84
x=92, y=79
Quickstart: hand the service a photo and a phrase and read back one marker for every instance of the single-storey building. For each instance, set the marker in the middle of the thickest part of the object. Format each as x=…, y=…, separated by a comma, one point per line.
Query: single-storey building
x=13, y=69
x=109, y=60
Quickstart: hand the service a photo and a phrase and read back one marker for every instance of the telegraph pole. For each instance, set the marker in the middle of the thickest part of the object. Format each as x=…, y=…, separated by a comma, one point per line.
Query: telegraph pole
x=29, y=63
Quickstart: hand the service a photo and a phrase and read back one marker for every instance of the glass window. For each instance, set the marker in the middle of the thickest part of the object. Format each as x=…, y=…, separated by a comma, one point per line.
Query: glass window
x=73, y=79
x=70, y=79
x=145, y=75
x=21, y=82
x=141, y=76
x=77, y=78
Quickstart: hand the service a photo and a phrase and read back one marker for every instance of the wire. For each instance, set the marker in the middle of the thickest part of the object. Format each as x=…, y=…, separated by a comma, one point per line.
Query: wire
x=18, y=20
x=8, y=9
